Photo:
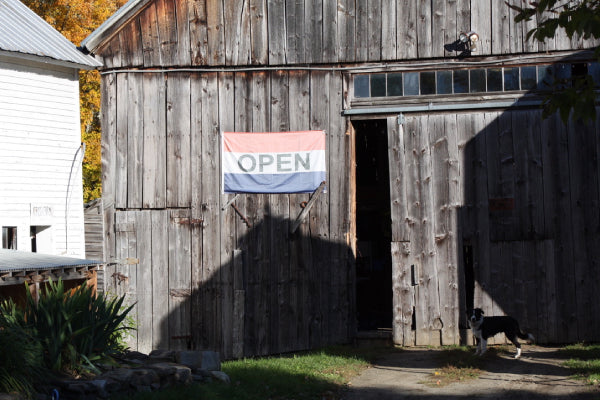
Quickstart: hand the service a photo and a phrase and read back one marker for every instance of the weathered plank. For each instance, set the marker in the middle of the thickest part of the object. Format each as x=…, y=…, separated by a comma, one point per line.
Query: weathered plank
x=481, y=22
x=374, y=32
x=178, y=140
x=313, y=17
x=299, y=119
x=346, y=20
x=179, y=278
x=389, y=32
x=150, y=36
x=120, y=172
x=258, y=31
x=424, y=26
x=167, y=32
x=184, y=47
x=160, y=279
x=198, y=28
x=135, y=142
x=406, y=31
x=276, y=25
x=215, y=33
x=210, y=209
x=282, y=317
x=143, y=282
x=227, y=226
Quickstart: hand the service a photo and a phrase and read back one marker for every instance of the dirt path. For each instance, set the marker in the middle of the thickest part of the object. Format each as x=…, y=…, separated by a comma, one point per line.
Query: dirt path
x=537, y=375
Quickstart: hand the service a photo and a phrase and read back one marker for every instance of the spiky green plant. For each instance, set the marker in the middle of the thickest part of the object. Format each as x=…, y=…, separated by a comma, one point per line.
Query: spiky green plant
x=21, y=361
x=75, y=327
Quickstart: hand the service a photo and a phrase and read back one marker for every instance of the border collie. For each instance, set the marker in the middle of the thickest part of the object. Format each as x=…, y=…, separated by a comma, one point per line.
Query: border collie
x=486, y=327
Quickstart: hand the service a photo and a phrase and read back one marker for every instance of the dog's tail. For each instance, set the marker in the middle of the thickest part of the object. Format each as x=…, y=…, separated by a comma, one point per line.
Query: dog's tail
x=525, y=336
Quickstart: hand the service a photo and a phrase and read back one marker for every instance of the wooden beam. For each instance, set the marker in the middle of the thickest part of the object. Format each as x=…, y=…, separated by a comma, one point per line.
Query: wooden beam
x=307, y=208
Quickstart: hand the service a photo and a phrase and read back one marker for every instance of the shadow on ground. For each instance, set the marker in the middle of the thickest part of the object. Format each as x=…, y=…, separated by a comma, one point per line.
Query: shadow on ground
x=537, y=375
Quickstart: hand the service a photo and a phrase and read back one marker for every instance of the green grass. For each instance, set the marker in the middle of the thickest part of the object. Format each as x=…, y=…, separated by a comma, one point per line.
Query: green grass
x=584, y=360
x=302, y=376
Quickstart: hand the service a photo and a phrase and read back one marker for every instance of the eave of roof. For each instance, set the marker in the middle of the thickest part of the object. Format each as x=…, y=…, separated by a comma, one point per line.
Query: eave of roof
x=24, y=34
x=15, y=260
x=108, y=28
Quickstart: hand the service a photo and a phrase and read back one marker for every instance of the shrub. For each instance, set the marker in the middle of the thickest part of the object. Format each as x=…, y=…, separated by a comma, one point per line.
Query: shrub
x=21, y=361
x=65, y=330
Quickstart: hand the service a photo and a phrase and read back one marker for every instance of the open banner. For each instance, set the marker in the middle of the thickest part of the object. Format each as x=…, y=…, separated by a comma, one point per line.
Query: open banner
x=274, y=162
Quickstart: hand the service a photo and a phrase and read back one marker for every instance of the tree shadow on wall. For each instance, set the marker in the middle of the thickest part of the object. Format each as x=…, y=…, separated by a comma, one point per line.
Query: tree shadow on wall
x=273, y=292
x=529, y=227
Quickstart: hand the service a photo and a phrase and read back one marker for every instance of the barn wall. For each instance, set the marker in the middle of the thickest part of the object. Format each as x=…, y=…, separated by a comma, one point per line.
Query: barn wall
x=211, y=274
x=286, y=32
x=511, y=196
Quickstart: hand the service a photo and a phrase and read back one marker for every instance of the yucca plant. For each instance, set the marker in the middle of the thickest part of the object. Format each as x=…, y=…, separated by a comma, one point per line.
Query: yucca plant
x=75, y=327
x=21, y=361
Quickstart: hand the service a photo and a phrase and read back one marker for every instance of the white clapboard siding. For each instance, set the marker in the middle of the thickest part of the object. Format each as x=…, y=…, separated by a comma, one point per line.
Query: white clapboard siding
x=41, y=154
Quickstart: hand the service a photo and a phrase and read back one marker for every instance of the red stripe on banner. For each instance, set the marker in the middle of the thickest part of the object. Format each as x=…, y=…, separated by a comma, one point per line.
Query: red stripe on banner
x=273, y=142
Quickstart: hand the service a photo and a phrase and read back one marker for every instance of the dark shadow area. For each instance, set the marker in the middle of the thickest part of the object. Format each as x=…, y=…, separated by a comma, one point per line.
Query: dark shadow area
x=411, y=374
x=280, y=292
x=373, y=227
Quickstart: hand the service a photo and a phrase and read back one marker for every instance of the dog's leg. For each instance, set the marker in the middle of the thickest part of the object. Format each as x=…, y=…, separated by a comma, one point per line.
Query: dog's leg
x=477, y=346
x=514, y=340
x=483, y=346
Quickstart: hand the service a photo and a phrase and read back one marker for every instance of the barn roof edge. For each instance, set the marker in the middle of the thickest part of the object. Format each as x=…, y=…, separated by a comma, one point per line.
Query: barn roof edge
x=98, y=36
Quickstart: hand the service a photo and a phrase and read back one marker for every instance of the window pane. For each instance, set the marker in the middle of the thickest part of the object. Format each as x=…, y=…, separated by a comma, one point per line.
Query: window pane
x=563, y=75
x=361, y=86
x=494, y=79
x=377, y=85
x=594, y=71
x=528, y=78
x=461, y=81
x=477, y=80
x=411, y=83
x=427, y=82
x=444, y=82
x=511, y=78
x=394, y=84
x=545, y=77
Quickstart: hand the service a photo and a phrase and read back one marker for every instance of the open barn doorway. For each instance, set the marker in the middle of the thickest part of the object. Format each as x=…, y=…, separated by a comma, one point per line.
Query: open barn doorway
x=374, y=302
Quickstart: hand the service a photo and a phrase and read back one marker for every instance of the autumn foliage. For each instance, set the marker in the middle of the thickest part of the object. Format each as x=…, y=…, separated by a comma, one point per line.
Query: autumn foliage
x=76, y=19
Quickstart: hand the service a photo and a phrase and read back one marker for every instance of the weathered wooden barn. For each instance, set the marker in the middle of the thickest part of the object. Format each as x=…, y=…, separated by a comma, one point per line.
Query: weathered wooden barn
x=446, y=187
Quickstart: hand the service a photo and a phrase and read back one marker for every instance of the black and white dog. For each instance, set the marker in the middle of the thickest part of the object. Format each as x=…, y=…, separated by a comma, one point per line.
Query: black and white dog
x=486, y=327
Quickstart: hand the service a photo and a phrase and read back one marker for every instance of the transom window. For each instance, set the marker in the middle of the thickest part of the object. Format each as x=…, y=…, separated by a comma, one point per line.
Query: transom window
x=475, y=80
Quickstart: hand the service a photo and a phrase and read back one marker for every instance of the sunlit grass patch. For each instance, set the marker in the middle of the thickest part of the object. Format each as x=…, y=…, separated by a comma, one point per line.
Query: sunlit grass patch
x=584, y=360
x=301, y=376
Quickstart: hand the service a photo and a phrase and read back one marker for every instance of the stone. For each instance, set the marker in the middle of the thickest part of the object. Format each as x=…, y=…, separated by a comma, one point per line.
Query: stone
x=192, y=359
x=221, y=376
x=211, y=361
x=162, y=355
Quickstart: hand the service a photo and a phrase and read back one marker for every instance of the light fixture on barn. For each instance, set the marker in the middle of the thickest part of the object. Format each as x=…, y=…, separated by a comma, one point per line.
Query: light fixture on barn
x=469, y=39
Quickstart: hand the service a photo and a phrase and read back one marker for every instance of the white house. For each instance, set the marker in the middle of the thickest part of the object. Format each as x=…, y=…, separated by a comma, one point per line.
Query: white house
x=41, y=201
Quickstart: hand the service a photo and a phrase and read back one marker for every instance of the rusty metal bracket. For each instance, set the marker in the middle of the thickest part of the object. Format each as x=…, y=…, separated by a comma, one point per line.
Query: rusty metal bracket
x=307, y=207
x=242, y=216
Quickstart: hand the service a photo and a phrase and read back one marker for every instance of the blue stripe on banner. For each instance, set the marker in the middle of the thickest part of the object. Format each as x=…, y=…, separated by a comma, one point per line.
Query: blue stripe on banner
x=305, y=182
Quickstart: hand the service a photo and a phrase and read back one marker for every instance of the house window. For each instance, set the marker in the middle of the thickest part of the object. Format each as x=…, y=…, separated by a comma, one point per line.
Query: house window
x=9, y=237
x=472, y=80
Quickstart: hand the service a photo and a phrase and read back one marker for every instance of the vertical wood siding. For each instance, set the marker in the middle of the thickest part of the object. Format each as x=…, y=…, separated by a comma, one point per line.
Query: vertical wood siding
x=209, y=278
x=511, y=185
x=504, y=193
x=173, y=33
